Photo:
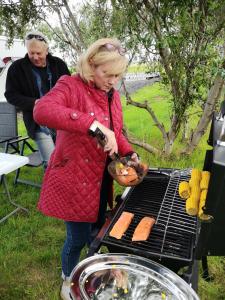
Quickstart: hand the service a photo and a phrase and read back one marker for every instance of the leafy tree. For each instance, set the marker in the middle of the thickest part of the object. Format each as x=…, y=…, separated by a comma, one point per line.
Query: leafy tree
x=184, y=35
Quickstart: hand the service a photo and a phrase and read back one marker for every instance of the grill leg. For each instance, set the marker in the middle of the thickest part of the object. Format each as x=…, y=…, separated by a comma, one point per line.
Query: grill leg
x=194, y=278
x=191, y=275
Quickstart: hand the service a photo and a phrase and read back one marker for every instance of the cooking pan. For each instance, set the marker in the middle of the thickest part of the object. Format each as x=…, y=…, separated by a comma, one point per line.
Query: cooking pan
x=125, y=171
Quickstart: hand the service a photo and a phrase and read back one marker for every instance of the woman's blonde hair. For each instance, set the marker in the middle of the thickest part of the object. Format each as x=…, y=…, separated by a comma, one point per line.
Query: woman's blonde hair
x=101, y=52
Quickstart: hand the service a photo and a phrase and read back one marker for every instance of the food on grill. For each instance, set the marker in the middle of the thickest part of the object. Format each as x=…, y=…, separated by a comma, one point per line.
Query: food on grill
x=121, y=225
x=195, y=192
x=201, y=214
x=184, y=190
x=203, y=196
x=143, y=229
x=199, y=186
x=205, y=180
x=192, y=202
x=192, y=206
x=196, y=175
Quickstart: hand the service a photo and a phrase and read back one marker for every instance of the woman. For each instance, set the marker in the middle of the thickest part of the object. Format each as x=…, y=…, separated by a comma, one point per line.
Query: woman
x=77, y=185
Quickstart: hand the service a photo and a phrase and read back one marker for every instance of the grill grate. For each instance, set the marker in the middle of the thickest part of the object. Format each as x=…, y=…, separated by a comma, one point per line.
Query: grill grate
x=173, y=236
x=172, y=214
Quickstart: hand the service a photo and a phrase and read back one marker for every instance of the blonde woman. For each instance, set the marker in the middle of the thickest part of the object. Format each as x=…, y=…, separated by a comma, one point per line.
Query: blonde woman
x=77, y=185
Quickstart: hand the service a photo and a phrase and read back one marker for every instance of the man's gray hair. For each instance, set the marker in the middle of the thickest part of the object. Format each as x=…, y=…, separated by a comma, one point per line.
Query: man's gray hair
x=36, y=35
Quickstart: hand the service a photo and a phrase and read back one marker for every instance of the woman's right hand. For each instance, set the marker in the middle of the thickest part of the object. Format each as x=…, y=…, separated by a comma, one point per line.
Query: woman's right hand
x=111, y=144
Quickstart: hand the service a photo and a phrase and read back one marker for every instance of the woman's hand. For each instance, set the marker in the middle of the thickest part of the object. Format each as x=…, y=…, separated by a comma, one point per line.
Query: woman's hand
x=134, y=157
x=111, y=144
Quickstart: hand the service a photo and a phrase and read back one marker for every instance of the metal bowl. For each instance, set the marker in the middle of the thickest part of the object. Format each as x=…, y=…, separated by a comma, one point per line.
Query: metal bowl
x=133, y=173
x=126, y=277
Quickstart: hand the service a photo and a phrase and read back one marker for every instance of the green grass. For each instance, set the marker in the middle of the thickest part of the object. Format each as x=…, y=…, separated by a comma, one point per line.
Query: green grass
x=30, y=245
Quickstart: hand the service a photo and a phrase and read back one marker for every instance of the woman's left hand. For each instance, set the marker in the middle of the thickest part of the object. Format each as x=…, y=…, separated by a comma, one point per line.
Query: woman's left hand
x=134, y=157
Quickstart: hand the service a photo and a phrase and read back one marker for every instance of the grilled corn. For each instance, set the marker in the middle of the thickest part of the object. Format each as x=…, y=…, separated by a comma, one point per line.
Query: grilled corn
x=192, y=202
x=204, y=183
x=191, y=206
x=201, y=214
x=196, y=175
x=184, y=190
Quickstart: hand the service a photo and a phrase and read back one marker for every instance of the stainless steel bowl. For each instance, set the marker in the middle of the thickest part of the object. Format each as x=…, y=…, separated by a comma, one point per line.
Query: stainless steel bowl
x=124, y=276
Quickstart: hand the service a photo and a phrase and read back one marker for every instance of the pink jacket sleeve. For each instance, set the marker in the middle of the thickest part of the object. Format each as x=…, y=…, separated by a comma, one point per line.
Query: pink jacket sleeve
x=54, y=109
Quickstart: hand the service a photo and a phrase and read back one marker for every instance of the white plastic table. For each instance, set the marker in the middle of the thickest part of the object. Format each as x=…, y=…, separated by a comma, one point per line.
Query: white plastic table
x=8, y=164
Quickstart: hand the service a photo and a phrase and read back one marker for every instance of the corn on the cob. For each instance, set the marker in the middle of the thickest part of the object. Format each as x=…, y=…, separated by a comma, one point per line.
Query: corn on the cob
x=196, y=175
x=203, y=196
x=192, y=206
x=192, y=202
x=195, y=191
x=205, y=180
x=201, y=214
x=184, y=190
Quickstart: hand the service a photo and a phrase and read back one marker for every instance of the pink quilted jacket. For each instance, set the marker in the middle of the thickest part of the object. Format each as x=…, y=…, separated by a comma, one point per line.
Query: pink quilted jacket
x=72, y=182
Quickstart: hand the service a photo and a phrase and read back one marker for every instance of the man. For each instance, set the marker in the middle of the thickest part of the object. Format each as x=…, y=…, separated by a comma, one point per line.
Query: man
x=30, y=78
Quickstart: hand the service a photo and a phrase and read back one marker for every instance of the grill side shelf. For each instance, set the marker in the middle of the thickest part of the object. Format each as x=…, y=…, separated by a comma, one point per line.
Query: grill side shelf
x=172, y=215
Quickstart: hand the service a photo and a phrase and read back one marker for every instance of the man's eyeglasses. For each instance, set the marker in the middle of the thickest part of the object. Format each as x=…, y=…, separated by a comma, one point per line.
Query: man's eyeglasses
x=36, y=36
x=111, y=47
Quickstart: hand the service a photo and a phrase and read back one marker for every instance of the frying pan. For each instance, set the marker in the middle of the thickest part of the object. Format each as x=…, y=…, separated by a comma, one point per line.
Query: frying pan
x=125, y=171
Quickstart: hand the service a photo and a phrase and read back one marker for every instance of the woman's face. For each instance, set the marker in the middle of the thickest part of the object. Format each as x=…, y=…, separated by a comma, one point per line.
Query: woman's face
x=103, y=79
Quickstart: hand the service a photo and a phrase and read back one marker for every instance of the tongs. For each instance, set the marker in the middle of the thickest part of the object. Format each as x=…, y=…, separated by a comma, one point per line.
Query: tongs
x=139, y=172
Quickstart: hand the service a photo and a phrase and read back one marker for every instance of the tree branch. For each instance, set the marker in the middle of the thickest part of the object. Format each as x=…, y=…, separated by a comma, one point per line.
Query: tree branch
x=135, y=141
x=146, y=106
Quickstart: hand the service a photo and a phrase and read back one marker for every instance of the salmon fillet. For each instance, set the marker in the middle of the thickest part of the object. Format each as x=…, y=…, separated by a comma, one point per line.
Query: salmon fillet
x=143, y=229
x=121, y=225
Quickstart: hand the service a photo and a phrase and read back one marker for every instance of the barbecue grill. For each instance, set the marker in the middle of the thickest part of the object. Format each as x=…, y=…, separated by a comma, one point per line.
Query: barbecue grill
x=173, y=237
x=176, y=239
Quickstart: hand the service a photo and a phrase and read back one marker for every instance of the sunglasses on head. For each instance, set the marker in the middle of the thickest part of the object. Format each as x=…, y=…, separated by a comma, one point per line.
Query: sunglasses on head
x=111, y=47
x=36, y=36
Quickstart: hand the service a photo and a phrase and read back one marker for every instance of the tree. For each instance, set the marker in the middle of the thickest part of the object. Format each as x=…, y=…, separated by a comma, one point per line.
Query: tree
x=185, y=35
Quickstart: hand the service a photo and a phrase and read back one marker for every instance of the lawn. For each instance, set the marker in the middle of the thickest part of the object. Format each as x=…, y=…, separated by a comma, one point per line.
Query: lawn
x=30, y=245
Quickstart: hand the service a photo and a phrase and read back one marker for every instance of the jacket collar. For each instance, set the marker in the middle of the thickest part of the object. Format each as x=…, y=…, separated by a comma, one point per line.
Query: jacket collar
x=91, y=86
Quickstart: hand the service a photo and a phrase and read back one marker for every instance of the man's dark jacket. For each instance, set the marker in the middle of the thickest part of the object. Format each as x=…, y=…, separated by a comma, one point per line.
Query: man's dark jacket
x=22, y=89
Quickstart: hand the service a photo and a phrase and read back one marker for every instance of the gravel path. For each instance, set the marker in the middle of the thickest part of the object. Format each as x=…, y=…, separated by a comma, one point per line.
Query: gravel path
x=133, y=86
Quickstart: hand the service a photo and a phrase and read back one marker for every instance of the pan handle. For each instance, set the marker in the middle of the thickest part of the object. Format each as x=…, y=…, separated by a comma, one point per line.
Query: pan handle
x=100, y=137
x=102, y=140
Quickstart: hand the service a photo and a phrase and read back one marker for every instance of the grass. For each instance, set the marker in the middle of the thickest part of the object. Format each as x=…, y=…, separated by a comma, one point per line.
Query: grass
x=30, y=245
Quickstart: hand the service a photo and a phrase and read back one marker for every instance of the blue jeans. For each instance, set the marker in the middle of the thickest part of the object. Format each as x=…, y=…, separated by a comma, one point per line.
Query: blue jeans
x=45, y=144
x=80, y=234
